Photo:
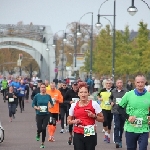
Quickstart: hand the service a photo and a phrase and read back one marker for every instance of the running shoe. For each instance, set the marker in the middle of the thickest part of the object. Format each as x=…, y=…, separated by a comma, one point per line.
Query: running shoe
x=117, y=144
x=42, y=146
x=62, y=131
x=37, y=137
x=103, y=131
x=105, y=137
x=52, y=139
x=108, y=140
x=70, y=141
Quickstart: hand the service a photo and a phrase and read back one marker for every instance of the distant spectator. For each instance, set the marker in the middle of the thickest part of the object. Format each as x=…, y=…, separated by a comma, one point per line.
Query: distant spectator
x=90, y=85
x=129, y=85
x=67, y=81
x=96, y=84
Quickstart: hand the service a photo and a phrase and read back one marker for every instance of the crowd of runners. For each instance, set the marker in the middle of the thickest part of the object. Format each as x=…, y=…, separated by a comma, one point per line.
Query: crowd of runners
x=116, y=107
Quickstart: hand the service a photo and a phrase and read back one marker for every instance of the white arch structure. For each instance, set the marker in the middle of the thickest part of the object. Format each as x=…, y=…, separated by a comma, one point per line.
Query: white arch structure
x=45, y=59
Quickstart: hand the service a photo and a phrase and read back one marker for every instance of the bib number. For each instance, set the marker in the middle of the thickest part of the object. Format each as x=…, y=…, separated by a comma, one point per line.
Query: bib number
x=118, y=100
x=138, y=122
x=75, y=99
x=54, y=101
x=107, y=103
x=11, y=99
x=21, y=92
x=89, y=130
x=43, y=108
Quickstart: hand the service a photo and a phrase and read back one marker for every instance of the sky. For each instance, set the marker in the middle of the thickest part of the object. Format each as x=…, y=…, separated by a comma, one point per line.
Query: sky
x=59, y=13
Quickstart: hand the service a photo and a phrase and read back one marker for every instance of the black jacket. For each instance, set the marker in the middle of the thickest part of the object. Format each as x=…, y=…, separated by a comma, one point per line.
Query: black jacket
x=63, y=92
x=36, y=91
x=69, y=95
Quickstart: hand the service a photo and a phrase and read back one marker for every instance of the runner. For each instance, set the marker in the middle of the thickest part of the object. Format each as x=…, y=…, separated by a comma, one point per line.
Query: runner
x=71, y=96
x=36, y=90
x=11, y=97
x=4, y=87
x=15, y=84
x=135, y=106
x=26, y=83
x=115, y=98
x=57, y=98
x=104, y=96
x=41, y=103
x=21, y=95
x=64, y=107
x=83, y=115
x=48, y=87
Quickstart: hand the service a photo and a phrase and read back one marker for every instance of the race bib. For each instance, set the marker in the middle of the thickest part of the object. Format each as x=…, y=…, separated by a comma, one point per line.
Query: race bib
x=89, y=130
x=75, y=99
x=54, y=101
x=138, y=122
x=11, y=99
x=21, y=92
x=43, y=108
x=107, y=103
x=118, y=100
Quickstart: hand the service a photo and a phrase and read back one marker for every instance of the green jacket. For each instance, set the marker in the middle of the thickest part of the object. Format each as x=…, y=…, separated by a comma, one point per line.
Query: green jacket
x=4, y=84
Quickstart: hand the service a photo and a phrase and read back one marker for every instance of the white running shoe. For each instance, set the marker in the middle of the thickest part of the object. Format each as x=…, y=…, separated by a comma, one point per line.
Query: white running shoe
x=62, y=131
x=103, y=130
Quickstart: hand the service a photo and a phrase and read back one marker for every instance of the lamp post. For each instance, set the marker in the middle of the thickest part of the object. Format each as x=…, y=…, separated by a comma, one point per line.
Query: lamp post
x=75, y=42
x=91, y=39
x=132, y=9
x=114, y=34
x=62, y=59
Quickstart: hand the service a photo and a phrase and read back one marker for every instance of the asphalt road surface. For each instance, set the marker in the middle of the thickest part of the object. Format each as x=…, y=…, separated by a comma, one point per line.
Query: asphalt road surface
x=20, y=133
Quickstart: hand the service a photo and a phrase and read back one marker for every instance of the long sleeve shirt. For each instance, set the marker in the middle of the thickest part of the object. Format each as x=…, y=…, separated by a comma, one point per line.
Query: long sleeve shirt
x=57, y=98
x=42, y=102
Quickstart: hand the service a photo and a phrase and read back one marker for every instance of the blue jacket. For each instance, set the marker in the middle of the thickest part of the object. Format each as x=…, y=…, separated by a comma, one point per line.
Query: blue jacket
x=22, y=91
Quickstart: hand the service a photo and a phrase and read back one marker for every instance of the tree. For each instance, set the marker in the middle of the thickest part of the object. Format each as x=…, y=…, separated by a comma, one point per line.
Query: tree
x=103, y=52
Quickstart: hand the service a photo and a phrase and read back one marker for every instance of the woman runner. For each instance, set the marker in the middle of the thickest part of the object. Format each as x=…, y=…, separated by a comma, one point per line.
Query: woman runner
x=83, y=115
x=41, y=103
x=11, y=97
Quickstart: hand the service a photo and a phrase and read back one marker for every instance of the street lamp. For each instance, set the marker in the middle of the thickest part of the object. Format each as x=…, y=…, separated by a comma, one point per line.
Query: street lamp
x=114, y=34
x=62, y=59
x=91, y=39
x=75, y=41
x=132, y=9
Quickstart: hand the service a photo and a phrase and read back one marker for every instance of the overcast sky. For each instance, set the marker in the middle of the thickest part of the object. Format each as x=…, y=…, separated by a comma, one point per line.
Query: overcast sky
x=59, y=13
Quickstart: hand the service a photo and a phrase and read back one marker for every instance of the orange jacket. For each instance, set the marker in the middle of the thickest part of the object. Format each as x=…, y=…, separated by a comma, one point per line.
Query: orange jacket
x=55, y=94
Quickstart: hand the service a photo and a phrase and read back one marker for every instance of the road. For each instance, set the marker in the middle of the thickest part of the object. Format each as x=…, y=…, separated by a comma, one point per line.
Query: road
x=20, y=134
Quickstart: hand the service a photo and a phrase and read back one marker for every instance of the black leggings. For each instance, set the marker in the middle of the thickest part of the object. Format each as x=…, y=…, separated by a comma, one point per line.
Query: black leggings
x=21, y=102
x=4, y=93
x=108, y=116
x=63, y=111
x=12, y=109
x=42, y=121
x=84, y=143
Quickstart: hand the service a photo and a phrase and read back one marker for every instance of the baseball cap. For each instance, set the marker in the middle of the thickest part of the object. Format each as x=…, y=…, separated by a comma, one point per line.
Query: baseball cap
x=75, y=83
x=39, y=81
